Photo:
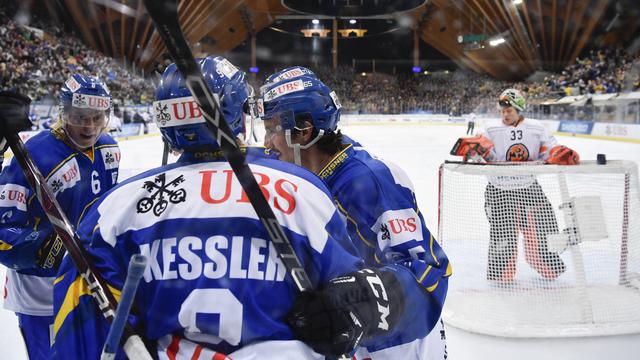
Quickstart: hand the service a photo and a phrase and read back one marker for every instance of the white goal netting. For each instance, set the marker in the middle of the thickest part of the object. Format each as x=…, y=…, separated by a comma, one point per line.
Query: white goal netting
x=542, y=250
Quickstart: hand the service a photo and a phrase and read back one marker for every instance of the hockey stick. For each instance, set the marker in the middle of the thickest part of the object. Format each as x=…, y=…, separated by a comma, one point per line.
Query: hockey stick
x=165, y=17
x=134, y=347
x=497, y=163
x=137, y=264
x=165, y=152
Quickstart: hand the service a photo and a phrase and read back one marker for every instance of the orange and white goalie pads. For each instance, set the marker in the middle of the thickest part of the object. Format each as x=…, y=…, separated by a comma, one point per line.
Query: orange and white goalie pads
x=562, y=155
x=472, y=147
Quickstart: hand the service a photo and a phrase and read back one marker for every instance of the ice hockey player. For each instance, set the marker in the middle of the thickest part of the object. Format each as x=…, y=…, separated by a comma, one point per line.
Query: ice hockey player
x=214, y=283
x=517, y=204
x=301, y=115
x=80, y=164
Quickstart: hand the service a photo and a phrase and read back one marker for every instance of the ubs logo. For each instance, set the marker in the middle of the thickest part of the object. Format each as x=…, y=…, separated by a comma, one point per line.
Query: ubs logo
x=517, y=152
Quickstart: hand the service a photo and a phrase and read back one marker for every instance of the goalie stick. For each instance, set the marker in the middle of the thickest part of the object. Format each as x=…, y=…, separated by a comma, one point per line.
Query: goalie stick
x=165, y=17
x=137, y=264
x=134, y=346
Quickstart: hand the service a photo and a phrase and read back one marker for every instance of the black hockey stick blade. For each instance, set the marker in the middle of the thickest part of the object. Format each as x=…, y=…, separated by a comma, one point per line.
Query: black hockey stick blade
x=165, y=17
x=65, y=231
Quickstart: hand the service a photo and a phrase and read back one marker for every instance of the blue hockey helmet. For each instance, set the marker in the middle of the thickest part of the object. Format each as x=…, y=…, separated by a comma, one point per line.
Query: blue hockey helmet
x=85, y=92
x=179, y=117
x=289, y=73
x=302, y=95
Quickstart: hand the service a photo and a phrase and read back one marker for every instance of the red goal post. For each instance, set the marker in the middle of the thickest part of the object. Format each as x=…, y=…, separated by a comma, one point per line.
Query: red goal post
x=542, y=250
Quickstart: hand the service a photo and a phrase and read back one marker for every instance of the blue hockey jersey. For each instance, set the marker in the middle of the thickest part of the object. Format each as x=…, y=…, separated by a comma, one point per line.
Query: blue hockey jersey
x=213, y=275
x=386, y=226
x=76, y=179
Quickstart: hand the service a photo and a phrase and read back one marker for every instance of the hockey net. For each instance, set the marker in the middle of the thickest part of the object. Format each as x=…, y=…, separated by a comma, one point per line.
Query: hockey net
x=542, y=250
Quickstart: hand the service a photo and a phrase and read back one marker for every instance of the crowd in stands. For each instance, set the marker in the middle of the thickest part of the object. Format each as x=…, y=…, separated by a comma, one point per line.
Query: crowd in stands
x=600, y=72
x=35, y=60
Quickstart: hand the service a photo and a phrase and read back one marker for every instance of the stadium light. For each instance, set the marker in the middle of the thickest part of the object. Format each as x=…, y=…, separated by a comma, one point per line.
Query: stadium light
x=315, y=21
x=364, y=73
x=517, y=2
x=426, y=72
x=496, y=42
x=352, y=21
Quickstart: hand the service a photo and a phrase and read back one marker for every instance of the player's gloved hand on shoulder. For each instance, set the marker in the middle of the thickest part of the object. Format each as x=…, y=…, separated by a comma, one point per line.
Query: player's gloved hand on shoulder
x=473, y=148
x=347, y=310
x=562, y=155
x=14, y=114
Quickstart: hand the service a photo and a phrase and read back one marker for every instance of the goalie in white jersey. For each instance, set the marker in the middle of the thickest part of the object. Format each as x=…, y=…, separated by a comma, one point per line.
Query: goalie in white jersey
x=517, y=204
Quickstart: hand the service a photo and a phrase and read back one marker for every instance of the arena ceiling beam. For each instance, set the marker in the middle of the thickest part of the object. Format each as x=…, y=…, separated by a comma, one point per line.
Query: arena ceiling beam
x=540, y=34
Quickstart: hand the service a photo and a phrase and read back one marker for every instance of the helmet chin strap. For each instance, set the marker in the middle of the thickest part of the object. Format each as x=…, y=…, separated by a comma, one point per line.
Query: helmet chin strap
x=297, y=159
x=78, y=146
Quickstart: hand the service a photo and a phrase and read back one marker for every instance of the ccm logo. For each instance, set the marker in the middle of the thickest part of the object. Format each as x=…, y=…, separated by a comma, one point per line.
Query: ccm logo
x=400, y=225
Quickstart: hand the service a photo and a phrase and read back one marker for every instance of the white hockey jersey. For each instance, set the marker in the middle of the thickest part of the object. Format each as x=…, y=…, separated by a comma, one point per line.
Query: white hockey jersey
x=529, y=140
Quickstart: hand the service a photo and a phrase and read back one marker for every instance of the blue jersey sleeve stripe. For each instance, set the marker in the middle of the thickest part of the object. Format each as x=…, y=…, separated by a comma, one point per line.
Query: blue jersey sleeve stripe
x=343, y=211
x=433, y=254
x=76, y=290
x=106, y=146
x=71, y=300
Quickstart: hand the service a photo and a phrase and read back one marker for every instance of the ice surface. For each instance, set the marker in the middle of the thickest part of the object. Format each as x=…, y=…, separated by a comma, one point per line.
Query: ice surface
x=419, y=149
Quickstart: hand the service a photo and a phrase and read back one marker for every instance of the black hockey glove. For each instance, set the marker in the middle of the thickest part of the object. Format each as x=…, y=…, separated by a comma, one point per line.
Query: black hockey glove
x=51, y=252
x=347, y=310
x=14, y=115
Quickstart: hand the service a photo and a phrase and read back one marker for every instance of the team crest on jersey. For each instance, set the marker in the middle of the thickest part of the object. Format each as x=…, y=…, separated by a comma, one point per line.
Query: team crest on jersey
x=111, y=157
x=517, y=152
x=162, y=193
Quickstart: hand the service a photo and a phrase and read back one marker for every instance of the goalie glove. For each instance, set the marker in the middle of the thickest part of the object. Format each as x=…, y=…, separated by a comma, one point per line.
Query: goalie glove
x=347, y=310
x=562, y=155
x=472, y=148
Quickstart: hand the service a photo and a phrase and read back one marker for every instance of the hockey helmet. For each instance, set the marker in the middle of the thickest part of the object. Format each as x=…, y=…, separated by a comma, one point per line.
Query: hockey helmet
x=178, y=115
x=304, y=94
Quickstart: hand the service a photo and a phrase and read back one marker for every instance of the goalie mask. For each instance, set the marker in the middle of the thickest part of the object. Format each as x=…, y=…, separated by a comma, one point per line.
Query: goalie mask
x=178, y=115
x=84, y=107
x=302, y=97
x=512, y=97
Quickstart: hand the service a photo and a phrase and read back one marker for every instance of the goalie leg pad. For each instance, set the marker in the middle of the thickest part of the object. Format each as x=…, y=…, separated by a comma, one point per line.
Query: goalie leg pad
x=540, y=222
x=503, y=235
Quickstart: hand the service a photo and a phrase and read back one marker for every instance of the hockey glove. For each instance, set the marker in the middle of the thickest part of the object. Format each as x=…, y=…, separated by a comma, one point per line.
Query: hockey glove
x=349, y=309
x=14, y=115
x=562, y=155
x=472, y=148
x=51, y=252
